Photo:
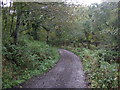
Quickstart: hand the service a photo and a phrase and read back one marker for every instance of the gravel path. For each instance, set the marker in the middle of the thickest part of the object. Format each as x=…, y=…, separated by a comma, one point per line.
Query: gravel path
x=68, y=73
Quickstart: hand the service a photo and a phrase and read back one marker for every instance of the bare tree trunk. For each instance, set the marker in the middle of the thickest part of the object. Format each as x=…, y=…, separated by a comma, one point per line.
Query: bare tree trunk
x=47, y=37
x=35, y=33
x=2, y=3
x=74, y=44
x=16, y=32
x=12, y=17
x=10, y=7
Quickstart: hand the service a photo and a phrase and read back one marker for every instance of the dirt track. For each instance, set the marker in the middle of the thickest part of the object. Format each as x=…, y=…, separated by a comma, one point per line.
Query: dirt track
x=68, y=73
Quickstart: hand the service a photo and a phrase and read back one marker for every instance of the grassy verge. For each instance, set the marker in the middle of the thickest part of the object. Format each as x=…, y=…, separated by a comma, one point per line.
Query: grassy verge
x=99, y=66
x=26, y=60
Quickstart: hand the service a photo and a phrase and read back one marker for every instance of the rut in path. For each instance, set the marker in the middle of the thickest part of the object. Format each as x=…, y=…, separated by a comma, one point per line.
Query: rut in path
x=68, y=73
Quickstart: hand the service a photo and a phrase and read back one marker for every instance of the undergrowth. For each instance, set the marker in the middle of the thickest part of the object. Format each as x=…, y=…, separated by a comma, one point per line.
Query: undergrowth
x=25, y=60
x=100, y=67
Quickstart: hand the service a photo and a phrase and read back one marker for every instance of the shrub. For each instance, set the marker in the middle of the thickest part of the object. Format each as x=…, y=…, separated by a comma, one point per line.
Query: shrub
x=99, y=66
x=28, y=58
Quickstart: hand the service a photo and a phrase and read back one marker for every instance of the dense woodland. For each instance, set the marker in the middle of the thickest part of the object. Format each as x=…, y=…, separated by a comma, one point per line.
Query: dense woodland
x=32, y=32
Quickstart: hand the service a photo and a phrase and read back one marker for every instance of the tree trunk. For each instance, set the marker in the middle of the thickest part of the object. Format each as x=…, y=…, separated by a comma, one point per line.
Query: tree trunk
x=74, y=44
x=16, y=32
x=88, y=44
x=47, y=37
x=12, y=17
x=11, y=25
x=35, y=34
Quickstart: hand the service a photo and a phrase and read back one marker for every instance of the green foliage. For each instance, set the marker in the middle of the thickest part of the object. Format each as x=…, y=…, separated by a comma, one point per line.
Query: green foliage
x=100, y=73
x=25, y=60
x=59, y=24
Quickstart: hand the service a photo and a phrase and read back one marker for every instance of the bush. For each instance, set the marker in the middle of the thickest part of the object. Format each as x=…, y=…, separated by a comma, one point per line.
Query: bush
x=99, y=65
x=28, y=58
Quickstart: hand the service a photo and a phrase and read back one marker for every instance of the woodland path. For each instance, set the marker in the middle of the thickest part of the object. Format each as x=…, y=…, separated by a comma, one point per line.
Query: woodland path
x=68, y=73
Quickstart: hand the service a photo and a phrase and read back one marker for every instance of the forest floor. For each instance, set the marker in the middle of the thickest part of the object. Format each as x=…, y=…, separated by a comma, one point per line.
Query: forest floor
x=68, y=73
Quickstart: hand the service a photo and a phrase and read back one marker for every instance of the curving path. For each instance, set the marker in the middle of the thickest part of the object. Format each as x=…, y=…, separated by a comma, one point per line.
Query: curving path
x=68, y=73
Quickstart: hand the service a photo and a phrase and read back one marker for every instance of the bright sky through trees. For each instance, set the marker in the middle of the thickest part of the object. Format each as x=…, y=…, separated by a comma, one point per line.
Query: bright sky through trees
x=86, y=2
